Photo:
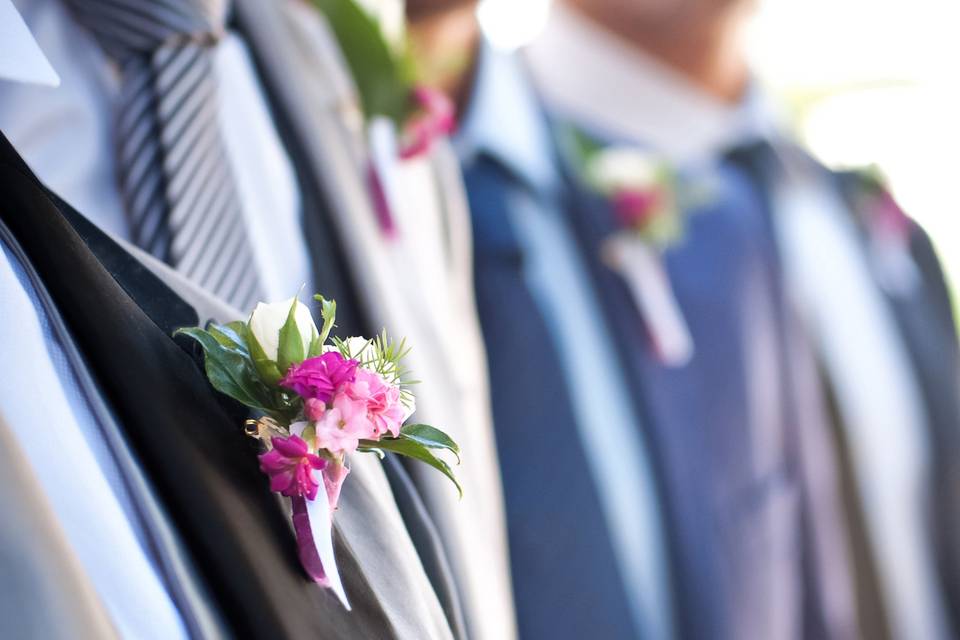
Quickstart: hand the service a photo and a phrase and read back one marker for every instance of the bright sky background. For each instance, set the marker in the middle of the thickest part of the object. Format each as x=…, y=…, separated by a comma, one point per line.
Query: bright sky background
x=866, y=81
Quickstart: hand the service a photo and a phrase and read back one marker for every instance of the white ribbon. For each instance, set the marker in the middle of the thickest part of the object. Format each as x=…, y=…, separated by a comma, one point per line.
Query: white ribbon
x=641, y=266
x=321, y=527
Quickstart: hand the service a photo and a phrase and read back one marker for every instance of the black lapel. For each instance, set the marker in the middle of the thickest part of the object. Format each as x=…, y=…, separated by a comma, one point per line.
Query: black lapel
x=188, y=438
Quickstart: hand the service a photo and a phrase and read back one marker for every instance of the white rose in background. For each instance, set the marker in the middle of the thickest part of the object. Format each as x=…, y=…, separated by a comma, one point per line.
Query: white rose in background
x=390, y=15
x=616, y=169
x=267, y=320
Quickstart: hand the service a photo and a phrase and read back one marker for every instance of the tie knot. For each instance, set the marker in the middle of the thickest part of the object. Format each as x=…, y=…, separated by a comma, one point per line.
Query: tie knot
x=126, y=28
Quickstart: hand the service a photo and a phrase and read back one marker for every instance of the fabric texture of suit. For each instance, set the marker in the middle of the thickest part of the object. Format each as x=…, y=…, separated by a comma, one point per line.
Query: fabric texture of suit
x=190, y=443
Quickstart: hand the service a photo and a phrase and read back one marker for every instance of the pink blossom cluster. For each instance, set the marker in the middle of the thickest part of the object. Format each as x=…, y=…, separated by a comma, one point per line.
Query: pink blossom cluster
x=635, y=208
x=345, y=402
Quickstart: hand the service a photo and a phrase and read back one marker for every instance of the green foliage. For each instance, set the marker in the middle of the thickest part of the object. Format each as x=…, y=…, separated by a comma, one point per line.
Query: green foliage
x=291, y=342
x=265, y=367
x=578, y=145
x=382, y=75
x=430, y=437
x=412, y=448
x=230, y=370
x=328, y=312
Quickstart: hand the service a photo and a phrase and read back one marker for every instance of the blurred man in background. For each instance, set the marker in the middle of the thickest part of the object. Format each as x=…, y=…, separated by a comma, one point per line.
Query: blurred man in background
x=649, y=493
x=868, y=289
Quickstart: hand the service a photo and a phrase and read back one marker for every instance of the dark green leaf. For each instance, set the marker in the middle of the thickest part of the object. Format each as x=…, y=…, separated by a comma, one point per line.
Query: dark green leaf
x=413, y=449
x=230, y=372
x=230, y=336
x=291, y=342
x=265, y=367
x=430, y=437
x=379, y=73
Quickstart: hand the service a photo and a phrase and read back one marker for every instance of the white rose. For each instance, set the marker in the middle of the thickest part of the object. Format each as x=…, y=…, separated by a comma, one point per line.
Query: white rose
x=267, y=320
x=617, y=168
x=389, y=14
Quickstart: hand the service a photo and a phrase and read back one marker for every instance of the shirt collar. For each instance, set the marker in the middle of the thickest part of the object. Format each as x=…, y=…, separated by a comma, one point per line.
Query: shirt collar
x=21, y=59
x=593, y=78
x=505, y=121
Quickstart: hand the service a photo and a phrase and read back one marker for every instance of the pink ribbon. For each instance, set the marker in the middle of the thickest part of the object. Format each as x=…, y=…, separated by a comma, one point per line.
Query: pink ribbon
x=435, y=119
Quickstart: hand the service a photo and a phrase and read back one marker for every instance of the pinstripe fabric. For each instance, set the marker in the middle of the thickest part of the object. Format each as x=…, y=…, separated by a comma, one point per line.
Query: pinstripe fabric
x=175, y=177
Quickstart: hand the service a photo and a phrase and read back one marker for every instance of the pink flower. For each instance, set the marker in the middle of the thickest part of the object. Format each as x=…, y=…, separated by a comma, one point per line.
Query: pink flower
x=343, y=425
x=435, y=119
x=320, y=377
x=333, y=477
x=313, y=409
x=635, y=207
x=290, y=466
x=384, y=409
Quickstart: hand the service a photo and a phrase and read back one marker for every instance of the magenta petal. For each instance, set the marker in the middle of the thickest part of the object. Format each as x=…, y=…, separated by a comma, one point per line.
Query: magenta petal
x=381, y=206
x=290, y=467
x=306, y=548
x=292, y=447
x=320, y=377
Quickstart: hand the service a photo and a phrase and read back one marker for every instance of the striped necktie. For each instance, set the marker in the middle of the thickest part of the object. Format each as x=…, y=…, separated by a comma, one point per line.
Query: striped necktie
x=179, y=194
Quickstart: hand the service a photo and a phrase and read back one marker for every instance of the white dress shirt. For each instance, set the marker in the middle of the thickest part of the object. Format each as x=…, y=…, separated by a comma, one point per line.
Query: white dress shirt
x=65, y=135
x=828, y=273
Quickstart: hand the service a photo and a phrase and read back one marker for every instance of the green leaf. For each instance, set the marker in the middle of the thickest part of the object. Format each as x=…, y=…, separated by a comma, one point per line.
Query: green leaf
x=230, y=372
x=430, y=437
x=380, y=74
x=379, y=452
x=291, y=342
x=230, y=335
x=328, y=312
x=413, y=449
x=265, y=367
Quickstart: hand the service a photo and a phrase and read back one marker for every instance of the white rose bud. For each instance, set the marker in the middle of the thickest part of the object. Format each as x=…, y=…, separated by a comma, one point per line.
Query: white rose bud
x=389, y=14
x=617, y=168
x=267, y=320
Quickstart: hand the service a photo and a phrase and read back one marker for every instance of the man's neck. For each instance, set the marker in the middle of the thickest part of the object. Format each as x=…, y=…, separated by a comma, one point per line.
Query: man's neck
x=707, y=52
x=444, y=46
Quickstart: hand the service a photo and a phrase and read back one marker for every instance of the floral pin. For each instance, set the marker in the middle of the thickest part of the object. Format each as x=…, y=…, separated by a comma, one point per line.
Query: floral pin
x=317, y=400
x=642, y=191
x=404, y=116
x=888, y=230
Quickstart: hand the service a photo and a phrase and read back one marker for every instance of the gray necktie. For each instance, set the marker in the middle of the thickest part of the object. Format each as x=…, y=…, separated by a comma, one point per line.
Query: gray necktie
x=175, y=176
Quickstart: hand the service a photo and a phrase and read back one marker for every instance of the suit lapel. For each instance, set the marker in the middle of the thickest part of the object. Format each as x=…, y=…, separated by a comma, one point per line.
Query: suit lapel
x=191, y=445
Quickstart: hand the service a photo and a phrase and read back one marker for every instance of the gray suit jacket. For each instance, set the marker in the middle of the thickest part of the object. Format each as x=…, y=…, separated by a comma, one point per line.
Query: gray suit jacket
x=308, y=82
